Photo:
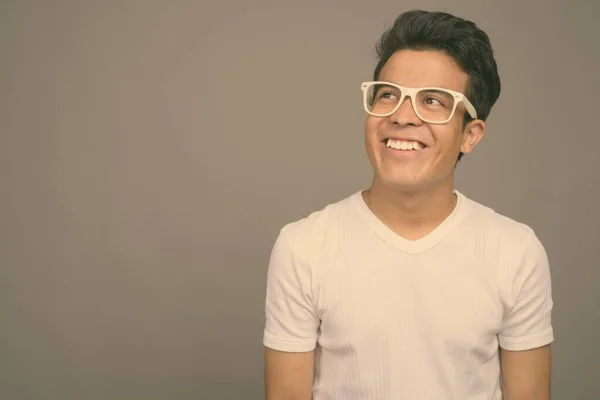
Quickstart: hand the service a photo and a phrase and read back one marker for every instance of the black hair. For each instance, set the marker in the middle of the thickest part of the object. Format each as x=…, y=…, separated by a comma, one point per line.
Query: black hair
x=462, y=40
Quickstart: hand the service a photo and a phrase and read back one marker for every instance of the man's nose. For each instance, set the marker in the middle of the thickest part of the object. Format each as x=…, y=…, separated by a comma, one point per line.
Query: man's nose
x=405, y=114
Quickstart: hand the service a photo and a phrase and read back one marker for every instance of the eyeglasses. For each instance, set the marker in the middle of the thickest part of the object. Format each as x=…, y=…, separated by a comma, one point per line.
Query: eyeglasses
x=431, y=104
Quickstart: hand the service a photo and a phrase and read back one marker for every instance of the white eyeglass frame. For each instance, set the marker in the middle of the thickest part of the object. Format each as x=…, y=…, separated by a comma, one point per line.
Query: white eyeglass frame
x=412, y=92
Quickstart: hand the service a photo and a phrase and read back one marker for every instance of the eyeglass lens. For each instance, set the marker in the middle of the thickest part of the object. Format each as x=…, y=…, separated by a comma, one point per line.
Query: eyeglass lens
x=431, y=104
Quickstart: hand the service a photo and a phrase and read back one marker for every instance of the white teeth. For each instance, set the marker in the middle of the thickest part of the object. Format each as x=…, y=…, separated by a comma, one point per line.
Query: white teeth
x=403, y=145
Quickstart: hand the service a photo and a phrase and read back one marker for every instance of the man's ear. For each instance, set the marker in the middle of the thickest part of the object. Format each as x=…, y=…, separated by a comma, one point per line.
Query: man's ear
x=472, y=135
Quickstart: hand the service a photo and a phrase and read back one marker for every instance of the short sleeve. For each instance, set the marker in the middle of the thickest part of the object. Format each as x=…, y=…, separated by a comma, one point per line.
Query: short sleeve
x=528, y=323
x=291, y=322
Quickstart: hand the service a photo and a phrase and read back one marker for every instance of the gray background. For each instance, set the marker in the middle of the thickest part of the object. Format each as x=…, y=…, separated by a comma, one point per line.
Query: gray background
x=151, y=151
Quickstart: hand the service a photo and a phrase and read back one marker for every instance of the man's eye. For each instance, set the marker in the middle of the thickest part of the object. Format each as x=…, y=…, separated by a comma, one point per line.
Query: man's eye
x=433, y=101
x=386, y=95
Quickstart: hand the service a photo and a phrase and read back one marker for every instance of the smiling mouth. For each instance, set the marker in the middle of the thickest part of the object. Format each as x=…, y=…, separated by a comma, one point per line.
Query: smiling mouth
x=405, y=145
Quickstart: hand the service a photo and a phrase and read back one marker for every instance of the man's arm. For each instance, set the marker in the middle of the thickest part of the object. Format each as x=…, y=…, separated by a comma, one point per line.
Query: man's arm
x=526, y=374
x=526, y=332
x=292, y=323
x=288, y=376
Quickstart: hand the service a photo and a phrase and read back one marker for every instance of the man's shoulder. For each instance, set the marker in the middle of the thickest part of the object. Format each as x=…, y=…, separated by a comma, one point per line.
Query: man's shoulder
x=500, y=227
x=320, y=221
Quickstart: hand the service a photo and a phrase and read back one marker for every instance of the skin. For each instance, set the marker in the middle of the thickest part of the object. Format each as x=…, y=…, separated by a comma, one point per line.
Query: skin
x=288, y=376
x=526, y=374
x=412, y=194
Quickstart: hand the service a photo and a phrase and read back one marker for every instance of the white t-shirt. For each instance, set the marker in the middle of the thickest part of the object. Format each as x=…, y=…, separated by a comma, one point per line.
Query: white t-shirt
x=392, y=318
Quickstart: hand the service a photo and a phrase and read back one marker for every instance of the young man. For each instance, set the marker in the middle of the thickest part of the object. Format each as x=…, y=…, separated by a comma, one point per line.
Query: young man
x=411, y=290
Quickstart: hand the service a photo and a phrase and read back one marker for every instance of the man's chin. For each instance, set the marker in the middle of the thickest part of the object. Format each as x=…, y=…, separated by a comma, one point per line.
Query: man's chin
x=402, y=183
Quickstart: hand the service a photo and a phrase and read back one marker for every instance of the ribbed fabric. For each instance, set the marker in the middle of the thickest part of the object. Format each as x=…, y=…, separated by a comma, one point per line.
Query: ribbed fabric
x=391, y=318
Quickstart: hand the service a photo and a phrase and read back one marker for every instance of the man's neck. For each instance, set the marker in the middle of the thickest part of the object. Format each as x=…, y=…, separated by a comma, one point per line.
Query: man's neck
x=411, y=214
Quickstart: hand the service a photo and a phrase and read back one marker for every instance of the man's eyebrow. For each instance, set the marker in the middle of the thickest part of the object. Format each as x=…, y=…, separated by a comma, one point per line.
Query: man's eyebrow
x=386, y=82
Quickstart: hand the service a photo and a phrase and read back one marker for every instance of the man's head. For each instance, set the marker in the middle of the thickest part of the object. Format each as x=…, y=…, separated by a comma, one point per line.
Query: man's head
x=429, y=49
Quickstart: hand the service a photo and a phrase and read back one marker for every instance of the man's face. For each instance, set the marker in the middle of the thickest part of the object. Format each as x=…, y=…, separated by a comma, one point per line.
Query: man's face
x=440, y=144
